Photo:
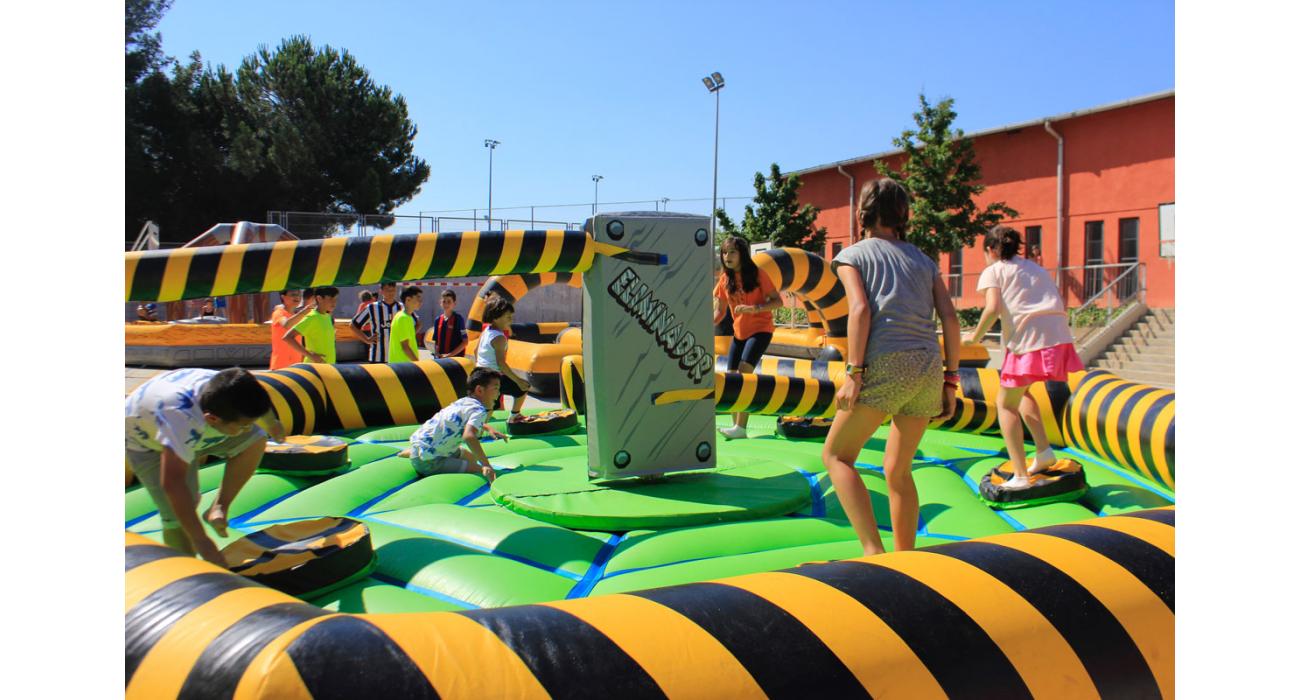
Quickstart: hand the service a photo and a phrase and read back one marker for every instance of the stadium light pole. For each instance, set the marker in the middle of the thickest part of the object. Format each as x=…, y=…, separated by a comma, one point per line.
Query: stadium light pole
x=596, y=197
x=714, y=83
x=491, y=145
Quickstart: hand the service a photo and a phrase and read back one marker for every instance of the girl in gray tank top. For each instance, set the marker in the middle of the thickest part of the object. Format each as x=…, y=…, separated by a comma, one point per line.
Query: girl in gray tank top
x=894, y=365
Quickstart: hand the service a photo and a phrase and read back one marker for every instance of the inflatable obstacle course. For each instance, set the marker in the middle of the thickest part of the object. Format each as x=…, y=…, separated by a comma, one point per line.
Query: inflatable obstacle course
x=1047, y=600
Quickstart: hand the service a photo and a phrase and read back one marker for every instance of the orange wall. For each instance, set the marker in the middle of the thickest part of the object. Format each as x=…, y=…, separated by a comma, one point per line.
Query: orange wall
x=1118, y=164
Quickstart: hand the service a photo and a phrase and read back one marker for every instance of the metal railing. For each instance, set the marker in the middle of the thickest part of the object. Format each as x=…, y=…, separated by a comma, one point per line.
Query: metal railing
x=1097, y=311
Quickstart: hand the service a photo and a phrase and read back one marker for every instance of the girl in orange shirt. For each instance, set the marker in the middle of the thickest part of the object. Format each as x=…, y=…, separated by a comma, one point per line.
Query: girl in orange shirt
x=751, y=297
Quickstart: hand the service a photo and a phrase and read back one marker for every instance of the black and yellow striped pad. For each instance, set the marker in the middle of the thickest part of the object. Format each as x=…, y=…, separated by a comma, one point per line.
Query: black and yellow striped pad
x=302, y=557
x=1128, y=423
x=1083, y=610
x=512, y=288
x=305, y=453
x=1064, y=481
x=189, y=273
x=319, y=398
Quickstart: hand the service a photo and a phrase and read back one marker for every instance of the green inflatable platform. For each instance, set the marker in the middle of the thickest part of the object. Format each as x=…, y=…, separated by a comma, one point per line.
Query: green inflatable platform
x=544, y=532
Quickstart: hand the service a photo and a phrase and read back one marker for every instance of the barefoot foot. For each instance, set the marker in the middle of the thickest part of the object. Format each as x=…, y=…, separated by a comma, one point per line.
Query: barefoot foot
x=216, y=517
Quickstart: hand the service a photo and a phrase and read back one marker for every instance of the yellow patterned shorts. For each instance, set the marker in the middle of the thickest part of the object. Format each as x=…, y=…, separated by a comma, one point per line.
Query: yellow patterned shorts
x=904, y=383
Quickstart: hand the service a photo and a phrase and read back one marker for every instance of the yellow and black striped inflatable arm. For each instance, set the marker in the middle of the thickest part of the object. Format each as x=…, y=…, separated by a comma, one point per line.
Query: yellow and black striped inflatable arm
x=572, y=388
x=512, y=288
x=1125, y=422
x=810, y=276
x=977, y=409
x=1078, y=610
x=189, y=273
x=317, y=398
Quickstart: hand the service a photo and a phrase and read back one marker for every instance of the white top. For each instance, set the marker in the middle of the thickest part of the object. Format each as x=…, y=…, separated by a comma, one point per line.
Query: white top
x=487, y=355
x=441, y=435
x=165, y=412
x=1033, y=315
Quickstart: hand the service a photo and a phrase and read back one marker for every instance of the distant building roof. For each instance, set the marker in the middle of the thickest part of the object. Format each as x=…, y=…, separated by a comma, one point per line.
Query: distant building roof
x=1009, y=127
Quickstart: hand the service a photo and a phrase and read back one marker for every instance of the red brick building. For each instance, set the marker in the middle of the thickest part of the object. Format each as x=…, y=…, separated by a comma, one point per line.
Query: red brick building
x=1102, y=177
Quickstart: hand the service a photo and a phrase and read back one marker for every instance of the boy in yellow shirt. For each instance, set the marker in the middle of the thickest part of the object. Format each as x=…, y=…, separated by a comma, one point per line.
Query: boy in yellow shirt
x=402, y=345
x=317, y=329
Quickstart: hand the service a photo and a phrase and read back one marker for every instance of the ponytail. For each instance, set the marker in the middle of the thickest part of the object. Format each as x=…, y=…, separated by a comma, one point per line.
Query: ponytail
x=1005, y=240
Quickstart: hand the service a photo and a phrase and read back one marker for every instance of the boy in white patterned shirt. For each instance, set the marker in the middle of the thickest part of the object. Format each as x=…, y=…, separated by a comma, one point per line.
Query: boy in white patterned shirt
x=448, y=442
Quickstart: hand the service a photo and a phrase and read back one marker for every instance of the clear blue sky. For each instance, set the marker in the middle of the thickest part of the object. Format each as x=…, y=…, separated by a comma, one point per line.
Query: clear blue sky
x=572, y=89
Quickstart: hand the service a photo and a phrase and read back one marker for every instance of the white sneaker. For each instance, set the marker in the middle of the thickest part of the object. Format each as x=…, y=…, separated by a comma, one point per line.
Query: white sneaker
x=733, y=433
x=1015, y=483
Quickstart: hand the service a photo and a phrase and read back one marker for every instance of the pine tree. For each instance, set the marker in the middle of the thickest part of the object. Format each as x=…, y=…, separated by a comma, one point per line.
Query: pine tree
x=941, y=173
x=776, y=215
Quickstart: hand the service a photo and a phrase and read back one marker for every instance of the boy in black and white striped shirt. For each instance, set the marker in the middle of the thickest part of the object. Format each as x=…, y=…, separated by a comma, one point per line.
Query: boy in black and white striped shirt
x=379, y=314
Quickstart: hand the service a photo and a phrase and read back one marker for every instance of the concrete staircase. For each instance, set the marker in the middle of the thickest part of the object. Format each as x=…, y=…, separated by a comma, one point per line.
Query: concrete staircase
x=1145, y=353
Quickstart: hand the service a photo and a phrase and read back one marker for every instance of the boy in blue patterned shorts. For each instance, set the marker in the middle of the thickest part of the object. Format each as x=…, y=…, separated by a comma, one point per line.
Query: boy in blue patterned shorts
x=436, y=448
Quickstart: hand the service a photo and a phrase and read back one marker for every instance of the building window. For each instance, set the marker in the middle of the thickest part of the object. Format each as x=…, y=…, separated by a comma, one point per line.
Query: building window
x=1128, y=253
x=1094, y=254
x=1167, y=230
x=836, y=247
x=1034, y=243
x=954, y=272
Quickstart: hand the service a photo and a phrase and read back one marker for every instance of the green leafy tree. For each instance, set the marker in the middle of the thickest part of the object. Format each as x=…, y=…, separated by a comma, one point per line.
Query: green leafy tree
x=143, y=49
x=296, y=128
x=942, y=174
x=776, y=216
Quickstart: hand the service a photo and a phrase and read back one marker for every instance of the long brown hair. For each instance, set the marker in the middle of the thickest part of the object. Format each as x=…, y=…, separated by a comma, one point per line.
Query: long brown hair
x=884, y=202
x=748, y=270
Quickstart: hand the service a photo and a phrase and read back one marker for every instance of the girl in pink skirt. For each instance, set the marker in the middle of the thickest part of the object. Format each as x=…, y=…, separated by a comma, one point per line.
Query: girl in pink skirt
x=1036, y=341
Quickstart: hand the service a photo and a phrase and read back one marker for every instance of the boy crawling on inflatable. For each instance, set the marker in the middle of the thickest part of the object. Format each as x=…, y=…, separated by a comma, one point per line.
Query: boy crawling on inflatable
x=176, y=419
x=436, y=448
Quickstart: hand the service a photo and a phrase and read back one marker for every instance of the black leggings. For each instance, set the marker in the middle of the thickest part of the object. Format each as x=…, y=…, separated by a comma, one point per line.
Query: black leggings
x=750, y=350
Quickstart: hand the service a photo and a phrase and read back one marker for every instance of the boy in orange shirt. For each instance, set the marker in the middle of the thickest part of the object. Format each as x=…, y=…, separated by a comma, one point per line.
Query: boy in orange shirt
x=282, y=319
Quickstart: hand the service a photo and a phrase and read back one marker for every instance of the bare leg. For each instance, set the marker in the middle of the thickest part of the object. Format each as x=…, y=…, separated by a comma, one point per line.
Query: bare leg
x=238, y=470
x=849, y=432
x=1012, y=432
x=176, y=538
x=1029, y=411
x=742, y=419
x=473, y=465
x=904, y=504
x=518, y=404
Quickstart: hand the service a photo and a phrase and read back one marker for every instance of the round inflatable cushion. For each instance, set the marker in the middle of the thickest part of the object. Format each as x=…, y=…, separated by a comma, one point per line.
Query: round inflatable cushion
x=553, y=486
x=1065, y=481
x=305, y=454
x=304, y=558
x=801, y=427
x=544, y=423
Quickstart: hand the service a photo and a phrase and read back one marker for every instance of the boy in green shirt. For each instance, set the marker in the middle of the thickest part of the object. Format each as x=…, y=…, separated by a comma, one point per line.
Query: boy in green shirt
x=317, y=329
x=402, y=346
